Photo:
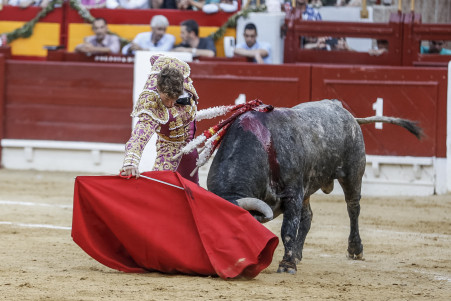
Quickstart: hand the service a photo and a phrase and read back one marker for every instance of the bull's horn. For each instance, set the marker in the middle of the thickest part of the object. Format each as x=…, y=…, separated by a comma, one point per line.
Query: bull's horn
x=253, y=204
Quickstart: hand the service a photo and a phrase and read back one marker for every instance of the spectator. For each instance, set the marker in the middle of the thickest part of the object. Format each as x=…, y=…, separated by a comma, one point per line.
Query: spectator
x=101, y=42
x=163, y=4
x=435, y=47
x=259, y=51
x=339, y=44
x=183, y=5
x=191, y=42
x=302, y=11
x=320, y=43
x=171, y=4
x=128, y=4
x=156, y=39
x=381, y=47
x=213, y=6
x=27, y=3
x=93, y=3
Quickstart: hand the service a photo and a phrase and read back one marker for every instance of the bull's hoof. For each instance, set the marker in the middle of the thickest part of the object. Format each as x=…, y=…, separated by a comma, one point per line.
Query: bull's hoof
x=287, y=267
x=356, y=256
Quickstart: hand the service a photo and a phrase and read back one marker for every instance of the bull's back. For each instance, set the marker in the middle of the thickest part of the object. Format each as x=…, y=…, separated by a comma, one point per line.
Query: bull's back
x=263, y=154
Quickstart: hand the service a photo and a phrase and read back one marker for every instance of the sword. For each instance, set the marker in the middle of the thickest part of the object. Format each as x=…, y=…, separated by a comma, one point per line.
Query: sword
x=152, y=179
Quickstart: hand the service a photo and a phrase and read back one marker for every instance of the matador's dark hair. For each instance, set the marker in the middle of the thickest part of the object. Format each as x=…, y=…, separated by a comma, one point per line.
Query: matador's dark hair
x=170, y=82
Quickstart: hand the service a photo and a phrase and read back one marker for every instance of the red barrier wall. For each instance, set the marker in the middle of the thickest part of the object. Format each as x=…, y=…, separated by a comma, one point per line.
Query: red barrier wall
x=413, y=93
x=68, y=101
x=414, y=33
x=92, y=101
x=221, y=83
x=392, y=32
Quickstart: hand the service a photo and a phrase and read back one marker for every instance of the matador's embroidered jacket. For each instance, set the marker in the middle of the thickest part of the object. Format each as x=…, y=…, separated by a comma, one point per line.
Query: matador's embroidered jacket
x=174, y=126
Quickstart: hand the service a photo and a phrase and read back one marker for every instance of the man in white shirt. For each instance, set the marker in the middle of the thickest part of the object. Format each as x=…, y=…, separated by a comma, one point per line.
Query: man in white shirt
x=156, y=39
x=259, y=51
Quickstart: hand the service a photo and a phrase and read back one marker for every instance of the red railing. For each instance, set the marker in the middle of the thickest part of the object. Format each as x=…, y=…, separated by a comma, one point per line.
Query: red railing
x=404, y=34
x=414, y=33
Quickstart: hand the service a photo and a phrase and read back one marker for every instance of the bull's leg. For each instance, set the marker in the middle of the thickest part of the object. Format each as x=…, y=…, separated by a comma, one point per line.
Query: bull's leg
x=304, y=228
x=290, y=225
x=352, y=197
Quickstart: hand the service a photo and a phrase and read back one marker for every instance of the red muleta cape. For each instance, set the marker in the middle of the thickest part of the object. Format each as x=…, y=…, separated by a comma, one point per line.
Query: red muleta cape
x=140, y=225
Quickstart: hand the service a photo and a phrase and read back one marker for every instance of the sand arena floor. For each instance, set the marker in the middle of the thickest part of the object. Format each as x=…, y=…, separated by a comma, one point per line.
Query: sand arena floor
x=407, y=246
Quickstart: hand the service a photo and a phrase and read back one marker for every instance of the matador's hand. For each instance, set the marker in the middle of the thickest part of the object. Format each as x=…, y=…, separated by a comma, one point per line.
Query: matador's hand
x=129, y=171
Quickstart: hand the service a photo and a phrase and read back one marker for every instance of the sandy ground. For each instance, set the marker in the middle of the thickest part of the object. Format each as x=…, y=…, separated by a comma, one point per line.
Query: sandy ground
x=407, y=245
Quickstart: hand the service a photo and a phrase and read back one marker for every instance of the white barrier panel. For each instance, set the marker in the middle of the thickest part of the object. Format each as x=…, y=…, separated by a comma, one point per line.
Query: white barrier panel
x=384, y=175
x=268, y=30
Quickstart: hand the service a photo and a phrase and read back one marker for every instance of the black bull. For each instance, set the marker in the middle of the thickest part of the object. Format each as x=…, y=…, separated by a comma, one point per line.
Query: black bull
x=282, y=157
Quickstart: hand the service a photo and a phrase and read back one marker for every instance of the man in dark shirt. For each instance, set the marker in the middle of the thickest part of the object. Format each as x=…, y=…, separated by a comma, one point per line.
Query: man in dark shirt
x=191, y=42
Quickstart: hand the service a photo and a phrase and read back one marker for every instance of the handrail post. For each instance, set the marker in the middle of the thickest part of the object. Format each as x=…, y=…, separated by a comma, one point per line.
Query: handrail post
x=364, y=10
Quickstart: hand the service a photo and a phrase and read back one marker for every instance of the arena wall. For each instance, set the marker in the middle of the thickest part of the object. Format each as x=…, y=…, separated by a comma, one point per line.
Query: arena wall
x=75, y=115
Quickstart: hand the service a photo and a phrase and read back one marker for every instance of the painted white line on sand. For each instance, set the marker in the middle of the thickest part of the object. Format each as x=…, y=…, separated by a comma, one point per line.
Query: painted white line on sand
x=3, y=202
x=35, y=226
x=436, y=276
x=445, y=237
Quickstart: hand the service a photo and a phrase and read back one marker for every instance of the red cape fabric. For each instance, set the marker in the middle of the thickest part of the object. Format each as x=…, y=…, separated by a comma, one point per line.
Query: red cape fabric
x=140, y=225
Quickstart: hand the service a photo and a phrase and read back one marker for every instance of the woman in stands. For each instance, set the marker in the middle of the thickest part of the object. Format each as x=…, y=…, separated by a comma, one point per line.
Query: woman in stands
x=167, y=106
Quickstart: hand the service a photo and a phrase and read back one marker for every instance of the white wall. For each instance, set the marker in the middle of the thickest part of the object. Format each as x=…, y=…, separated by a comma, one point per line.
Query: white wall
x=268, y=30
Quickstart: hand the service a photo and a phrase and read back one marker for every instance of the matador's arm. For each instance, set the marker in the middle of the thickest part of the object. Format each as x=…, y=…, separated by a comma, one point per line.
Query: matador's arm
x=140, y=136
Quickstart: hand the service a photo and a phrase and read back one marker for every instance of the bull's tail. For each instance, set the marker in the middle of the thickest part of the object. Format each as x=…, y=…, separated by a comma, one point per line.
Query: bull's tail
x=411, y=126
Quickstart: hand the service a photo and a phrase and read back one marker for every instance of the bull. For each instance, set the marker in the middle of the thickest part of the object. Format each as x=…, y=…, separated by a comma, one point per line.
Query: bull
x=271, y=163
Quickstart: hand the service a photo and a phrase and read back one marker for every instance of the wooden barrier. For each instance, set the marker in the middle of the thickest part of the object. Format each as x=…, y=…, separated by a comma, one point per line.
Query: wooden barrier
x=392, y=32
x=62, y=55
x=414, y=33
x=77, y=101
x=67, y=101
x=405, y=92
x=404, y=33
x=64, y=103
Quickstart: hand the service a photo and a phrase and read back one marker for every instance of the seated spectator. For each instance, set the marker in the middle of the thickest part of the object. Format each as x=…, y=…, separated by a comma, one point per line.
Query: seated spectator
x=213, y=6
x=381, y=47
x=128, y=4
x=183, y=5
x=93, y=3
x=101, y=42
x=318, y=43
x=171, y=4
x=259, y=51
x=191, y=42
x=301, y=11
x=435, y=47
x=339, y=44
x=27, y=3
x=156, y=39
